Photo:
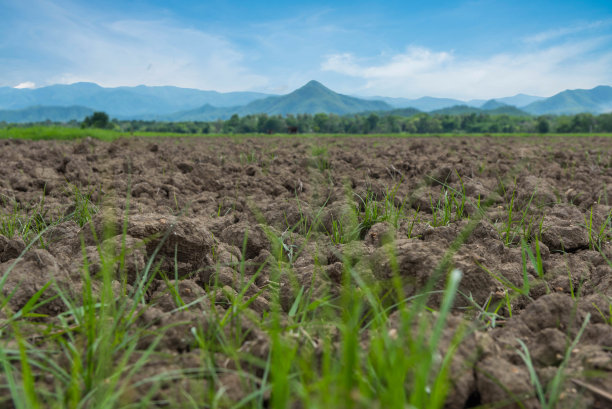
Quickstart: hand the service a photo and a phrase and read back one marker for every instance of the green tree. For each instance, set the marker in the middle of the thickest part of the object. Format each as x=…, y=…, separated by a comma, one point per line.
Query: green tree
x=232, y=124
x=450, y=123
x=96, y=120
x=604, y=123
x=372, y=122
x=321, y=122
x=583, y=123
x=543, y=125
x=409, y=127
x=274, y=124
x=248, y=124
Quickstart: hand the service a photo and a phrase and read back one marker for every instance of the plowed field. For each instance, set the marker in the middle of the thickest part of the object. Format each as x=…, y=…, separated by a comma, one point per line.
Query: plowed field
x=306, y=272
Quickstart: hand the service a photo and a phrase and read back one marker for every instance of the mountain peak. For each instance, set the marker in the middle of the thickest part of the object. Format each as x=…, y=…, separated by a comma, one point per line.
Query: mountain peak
x=84, y=85
x=313, y=84
x=492, y=104
x=313, y=98
x=313, y=89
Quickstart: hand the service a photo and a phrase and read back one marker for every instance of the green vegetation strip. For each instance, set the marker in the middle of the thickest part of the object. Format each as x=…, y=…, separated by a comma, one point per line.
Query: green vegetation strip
x=68, y=133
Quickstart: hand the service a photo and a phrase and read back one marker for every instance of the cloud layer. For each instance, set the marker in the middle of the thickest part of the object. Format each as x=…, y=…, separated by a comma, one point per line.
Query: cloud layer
x=129, y=52
x=420, y=71
x=24, y=85
x=469, y=51
x=132, y=52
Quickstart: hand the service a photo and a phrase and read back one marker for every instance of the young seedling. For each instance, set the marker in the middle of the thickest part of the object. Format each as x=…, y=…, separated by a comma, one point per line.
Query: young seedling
x=598, y=236
x=320, y=158
x=549, y=396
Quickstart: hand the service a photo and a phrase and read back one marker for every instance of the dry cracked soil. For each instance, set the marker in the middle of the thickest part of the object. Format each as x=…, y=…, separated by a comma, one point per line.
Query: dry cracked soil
x=526, y=221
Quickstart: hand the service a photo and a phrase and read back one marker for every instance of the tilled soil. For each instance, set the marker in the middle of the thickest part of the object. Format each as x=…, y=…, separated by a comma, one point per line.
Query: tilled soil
x=208, y=211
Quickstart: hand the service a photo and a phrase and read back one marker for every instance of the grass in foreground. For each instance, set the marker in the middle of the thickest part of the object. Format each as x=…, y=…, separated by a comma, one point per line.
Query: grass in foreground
x=329, y=352
x=27, y=221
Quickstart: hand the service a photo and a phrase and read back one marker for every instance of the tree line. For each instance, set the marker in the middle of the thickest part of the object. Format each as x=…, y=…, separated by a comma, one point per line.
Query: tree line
x=379, y=123
x=371, y=123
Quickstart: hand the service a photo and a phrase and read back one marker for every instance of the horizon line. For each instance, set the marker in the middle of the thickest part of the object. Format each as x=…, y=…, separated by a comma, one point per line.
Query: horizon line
x=34, y=87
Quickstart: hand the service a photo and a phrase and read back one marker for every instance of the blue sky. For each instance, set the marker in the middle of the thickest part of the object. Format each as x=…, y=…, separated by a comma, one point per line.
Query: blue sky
x=459, y=49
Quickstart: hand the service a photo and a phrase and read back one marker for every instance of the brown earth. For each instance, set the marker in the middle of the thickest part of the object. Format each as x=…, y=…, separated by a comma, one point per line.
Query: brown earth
x=192, y=201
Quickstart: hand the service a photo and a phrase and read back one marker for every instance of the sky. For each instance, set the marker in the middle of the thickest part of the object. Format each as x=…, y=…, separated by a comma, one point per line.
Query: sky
x=456, y=49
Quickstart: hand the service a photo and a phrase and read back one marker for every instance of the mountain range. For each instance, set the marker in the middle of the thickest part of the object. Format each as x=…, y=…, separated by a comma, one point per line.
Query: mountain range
x=428, y=104
x=596, y=100
x=312, y=98
x=75, y=101
x=122, y=101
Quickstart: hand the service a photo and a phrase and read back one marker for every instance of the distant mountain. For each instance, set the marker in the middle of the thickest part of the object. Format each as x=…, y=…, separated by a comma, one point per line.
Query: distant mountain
x=496, y=109
x=506, y=110
x=123, y=102
x=431, y=103
x=475, y=102
x=519, y=100
x=43, y=113
x=492, y=104
x=425, y=104
x=428, y=104
x=75, y=101
x=394, y=102
x=204, y=113
x=407, y=112
x=456, y=110
x=597, y=100
x=312, y=98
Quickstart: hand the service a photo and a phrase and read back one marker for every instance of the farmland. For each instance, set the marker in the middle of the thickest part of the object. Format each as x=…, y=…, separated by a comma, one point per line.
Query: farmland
x=305, y=271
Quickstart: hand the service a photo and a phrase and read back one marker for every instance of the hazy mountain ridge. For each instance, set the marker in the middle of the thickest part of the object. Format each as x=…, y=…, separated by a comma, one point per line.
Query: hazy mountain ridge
x=206, y=112
x=312, y=98
x=492, y=104
x=492, y=107
x=596, y=100
x=428, y=104
x=519, y=100
x=123, y=102
x=425, y=104
x=60, y=103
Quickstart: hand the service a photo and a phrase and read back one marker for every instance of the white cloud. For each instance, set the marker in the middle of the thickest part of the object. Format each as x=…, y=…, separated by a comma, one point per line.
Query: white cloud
x=415, y=61
x=27, y=84
x=111, y=52
x=156, y=53
x=420, y=71
x=565, y=31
